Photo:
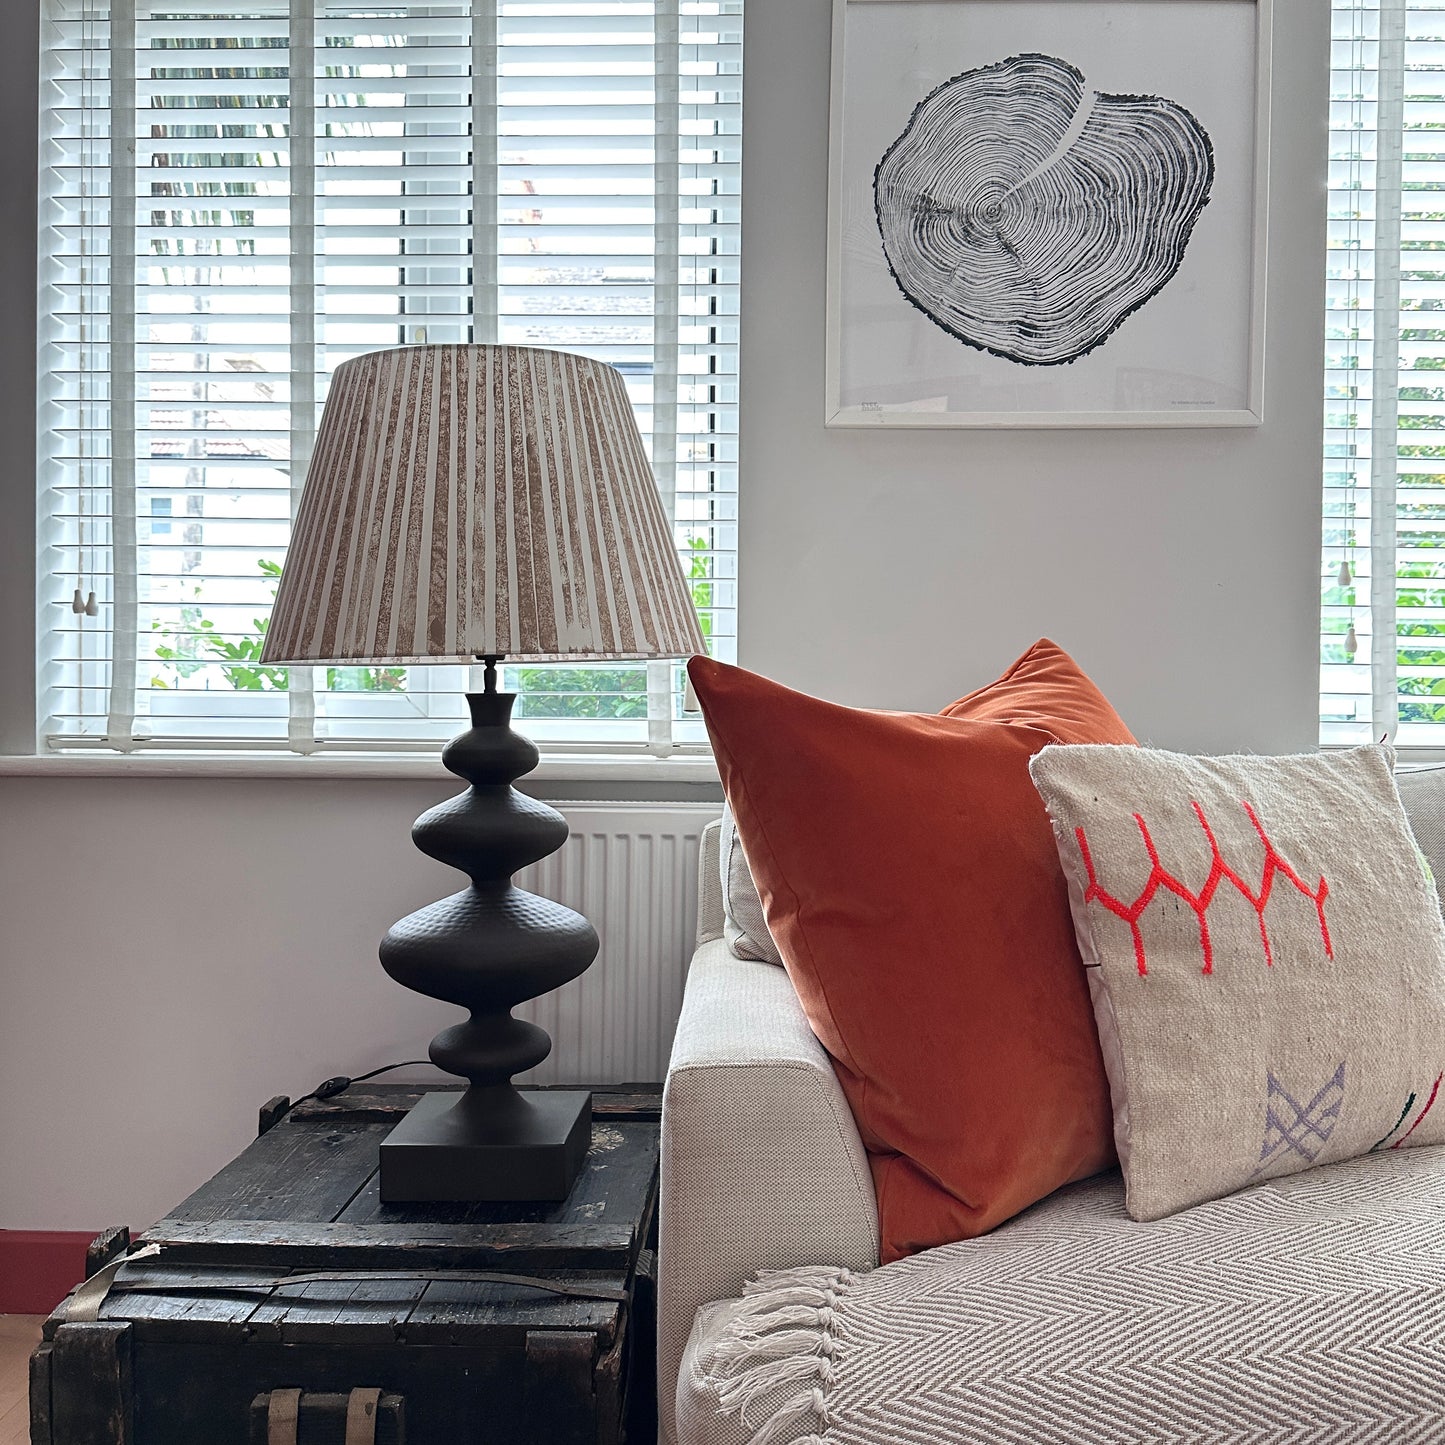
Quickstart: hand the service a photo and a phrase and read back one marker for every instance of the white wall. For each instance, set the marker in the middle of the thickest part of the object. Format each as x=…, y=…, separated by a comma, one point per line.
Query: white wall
x=175, y=952
x=172, y=952
x=902, y=569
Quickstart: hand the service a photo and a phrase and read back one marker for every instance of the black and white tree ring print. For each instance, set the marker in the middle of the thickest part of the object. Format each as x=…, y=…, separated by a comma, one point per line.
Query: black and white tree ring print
x=1029, y=216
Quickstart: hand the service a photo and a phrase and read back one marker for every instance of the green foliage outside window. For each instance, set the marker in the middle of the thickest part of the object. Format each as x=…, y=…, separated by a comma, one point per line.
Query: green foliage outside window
x=1419, y=584
x=612, y=692
x=546, y=692
x=195, y=643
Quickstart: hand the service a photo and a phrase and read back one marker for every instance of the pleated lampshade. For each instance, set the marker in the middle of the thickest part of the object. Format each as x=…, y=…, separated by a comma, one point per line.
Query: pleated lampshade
x=469, y=501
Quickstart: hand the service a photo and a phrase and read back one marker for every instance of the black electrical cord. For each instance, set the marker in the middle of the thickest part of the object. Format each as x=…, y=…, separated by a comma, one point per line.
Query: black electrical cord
x=330, y=1088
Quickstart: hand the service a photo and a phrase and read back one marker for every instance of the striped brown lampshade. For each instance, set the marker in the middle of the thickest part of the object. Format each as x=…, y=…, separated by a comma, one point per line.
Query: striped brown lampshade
x=470, y=501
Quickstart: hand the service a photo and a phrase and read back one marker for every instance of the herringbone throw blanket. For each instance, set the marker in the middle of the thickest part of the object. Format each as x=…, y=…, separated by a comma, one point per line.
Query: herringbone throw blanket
x=1306, y=1311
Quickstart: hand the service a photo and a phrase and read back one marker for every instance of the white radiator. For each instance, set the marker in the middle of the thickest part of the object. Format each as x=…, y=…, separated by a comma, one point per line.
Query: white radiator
x=631, y=869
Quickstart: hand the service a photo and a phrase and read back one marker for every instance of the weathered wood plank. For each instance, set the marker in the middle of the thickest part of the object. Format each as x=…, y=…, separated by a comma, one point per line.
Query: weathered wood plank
x=454, y=1312
x=307, y=1311
x=609, y=1386
x=104, y=1248
x=322, y=1419
x=340, y=1313
x=90, y=1385
x=216, y=1305
x=190, y=1304
x=639, y=1403
x=271, y=1113
x=290, y=1172
x=40, y=1415
x=558, y=1392
x=453, y=1396
x=377, y=1310
x=608, y=1243
x=640, y=1102
x=362, y=1102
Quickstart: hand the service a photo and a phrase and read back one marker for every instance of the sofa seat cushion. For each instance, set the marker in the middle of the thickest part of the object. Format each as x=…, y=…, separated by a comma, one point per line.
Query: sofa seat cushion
x=1306, y=1310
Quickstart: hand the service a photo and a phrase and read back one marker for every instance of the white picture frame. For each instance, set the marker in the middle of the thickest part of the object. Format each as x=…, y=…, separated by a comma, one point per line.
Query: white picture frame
x=1190, y=354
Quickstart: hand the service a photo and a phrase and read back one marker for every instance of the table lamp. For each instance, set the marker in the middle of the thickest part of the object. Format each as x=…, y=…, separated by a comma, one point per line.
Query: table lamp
x=476, y=503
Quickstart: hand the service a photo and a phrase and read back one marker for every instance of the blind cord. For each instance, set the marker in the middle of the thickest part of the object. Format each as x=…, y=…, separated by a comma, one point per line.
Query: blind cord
x=81, y=603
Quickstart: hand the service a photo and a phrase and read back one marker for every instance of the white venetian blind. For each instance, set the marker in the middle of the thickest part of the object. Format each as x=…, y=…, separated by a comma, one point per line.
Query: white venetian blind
x=240, y=196
x=1383, y=580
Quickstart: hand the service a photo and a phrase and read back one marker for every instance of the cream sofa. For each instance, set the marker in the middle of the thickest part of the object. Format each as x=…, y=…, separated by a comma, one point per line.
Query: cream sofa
x=1310, y=1309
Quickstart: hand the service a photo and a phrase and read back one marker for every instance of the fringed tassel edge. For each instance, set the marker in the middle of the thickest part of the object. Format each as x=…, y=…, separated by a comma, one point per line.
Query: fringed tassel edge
x=783, y=1334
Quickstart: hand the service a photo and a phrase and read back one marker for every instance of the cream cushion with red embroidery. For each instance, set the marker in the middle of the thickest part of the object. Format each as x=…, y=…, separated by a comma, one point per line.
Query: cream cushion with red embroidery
x=1266, y=959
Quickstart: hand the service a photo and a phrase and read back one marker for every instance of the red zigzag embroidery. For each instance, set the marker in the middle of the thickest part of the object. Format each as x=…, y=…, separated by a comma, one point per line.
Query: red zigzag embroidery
x=1160, y=877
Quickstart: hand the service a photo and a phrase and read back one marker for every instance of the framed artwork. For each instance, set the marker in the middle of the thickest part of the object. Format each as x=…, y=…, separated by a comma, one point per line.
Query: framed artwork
x=1047, y=213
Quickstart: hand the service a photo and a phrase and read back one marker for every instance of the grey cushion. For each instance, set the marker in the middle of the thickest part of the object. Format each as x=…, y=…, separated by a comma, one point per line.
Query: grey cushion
x=1422, y=791
x=744, y=927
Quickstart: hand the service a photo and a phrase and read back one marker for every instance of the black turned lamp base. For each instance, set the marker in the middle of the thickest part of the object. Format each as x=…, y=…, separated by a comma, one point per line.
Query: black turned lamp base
x=456, y=1147
x=488, y=948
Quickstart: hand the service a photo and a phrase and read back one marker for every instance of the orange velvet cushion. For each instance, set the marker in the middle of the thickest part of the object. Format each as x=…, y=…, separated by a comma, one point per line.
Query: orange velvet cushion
x=909, y=876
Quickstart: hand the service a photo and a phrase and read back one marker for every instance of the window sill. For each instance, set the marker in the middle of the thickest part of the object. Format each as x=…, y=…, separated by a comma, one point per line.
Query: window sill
x=695, y=769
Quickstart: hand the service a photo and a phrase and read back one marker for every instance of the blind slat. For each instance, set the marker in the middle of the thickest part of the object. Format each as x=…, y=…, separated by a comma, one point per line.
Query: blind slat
x=314, y=179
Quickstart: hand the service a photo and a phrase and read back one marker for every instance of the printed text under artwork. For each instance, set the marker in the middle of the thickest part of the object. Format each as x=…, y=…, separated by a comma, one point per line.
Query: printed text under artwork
x=1275, y=867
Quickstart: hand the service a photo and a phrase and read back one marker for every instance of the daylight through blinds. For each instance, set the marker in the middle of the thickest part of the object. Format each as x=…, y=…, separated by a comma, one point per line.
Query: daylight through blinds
x=238, y=198
x=1383, y=577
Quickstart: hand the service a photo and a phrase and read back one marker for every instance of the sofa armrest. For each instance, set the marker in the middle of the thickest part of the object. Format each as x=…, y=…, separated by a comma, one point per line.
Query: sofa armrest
x=762, y=1166
x=710, y=914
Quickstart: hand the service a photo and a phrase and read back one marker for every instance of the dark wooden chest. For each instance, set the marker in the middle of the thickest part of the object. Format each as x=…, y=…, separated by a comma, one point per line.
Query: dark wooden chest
x=500, y=1324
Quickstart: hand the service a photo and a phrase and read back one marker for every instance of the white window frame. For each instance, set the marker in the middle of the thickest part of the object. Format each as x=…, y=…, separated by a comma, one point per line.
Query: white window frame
x=1368, y=483
x=444, y=681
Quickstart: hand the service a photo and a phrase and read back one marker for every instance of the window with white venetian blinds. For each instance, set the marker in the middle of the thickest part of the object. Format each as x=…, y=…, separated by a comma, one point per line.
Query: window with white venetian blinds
x=238, y=197
x=1383, y=613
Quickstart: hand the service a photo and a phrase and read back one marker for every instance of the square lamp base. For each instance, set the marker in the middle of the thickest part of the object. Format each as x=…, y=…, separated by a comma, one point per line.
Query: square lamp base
x=435, y=1154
